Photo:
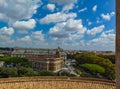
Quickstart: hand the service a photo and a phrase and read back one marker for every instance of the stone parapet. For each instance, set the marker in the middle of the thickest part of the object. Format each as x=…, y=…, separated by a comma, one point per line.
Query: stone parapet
x=55, y=83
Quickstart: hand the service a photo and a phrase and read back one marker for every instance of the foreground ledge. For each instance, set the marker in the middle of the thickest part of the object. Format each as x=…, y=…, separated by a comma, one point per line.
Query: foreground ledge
x=55, y=83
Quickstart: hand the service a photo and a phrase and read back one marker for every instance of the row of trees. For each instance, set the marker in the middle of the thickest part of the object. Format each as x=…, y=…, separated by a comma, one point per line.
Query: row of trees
x=26, y=72
x=16, y=72
x=16, y=61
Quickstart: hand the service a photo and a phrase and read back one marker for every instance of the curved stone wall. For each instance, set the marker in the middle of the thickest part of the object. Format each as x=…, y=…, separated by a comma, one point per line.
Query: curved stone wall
x=55, y=83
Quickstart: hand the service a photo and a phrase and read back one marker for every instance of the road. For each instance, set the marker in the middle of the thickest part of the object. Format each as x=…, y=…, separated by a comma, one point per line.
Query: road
x=68, y=68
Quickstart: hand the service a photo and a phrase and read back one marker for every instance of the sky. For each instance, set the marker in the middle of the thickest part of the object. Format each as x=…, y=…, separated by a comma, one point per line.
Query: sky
x=70, y=24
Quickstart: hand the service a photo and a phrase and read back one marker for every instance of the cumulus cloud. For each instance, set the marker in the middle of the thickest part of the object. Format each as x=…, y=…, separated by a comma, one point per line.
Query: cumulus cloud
x=25, y=39
x=107, y=16
x=94, y=8
x=6, y=31
x=51, y=7
x=37, y=38
x=38, y=35
x=82, y=10
x=24, y=26
x=67, y=4
x=5, y=36
x=73, y=25
x=66, y=32
x=34, y=36
x=104, y=42
x=95, y=30
x=57, y=17
x=66, y=8
x=18, y=9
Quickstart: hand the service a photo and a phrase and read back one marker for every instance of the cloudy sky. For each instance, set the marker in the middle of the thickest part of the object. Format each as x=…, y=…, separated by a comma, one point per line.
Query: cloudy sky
x=70, y=24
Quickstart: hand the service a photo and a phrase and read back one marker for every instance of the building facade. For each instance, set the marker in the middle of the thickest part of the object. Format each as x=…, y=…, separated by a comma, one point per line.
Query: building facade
x=36, y=52
x=44, y=63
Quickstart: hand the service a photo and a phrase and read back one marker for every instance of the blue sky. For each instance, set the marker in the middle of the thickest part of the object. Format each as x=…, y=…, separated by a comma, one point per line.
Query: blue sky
x=70, y=24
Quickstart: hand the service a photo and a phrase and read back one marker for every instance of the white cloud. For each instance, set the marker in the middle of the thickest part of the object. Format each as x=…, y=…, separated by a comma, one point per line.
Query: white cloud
x=24, y=26
x=67, y=32
x=94, y=8
x=104, y=42
x=73, y=25
x=51, y=7
x=34, y=36
x=67, y=4
x=110, y=31
x=95, y=30
x=3, y=17
x=35, y=39
x=5, y=36
x=18, y=9
x=63, y=2
x=6, y=31
x=107, y=16
x=82, y=10
x=89, y=22
x=112, y=13
x=98, y=20
x=57, y=17
x=38, y=35
x=66, y=8
x=25, y=39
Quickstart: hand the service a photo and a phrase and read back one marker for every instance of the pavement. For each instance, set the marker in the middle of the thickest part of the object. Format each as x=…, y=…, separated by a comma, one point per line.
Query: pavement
x=68, y=68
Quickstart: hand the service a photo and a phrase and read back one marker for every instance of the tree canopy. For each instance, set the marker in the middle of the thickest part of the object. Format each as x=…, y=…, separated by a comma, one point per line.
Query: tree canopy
x=16, y=61
x=84, y=58
x=94, y=68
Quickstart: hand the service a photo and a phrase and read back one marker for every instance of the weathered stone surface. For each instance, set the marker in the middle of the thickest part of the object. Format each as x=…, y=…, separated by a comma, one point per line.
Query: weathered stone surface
x=55, y=83
x=118, y=44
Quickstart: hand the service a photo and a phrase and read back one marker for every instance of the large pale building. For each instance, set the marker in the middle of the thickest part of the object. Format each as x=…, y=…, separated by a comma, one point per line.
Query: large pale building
x=37, y=52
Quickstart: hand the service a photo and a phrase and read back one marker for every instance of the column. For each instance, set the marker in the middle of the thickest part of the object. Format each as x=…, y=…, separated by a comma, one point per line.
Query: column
x=118, y=44
x=47, y=65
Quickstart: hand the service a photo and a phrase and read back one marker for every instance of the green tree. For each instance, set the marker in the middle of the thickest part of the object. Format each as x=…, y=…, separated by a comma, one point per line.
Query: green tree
x=65, y=74
x=94, y=59
x=8, y=72
x=47, y=73
x=110, y=57
x=94, y=68
x=22, y=71
x=16, y=61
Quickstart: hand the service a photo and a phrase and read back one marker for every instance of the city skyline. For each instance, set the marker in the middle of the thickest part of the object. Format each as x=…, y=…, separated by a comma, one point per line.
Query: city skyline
x=70, y=24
